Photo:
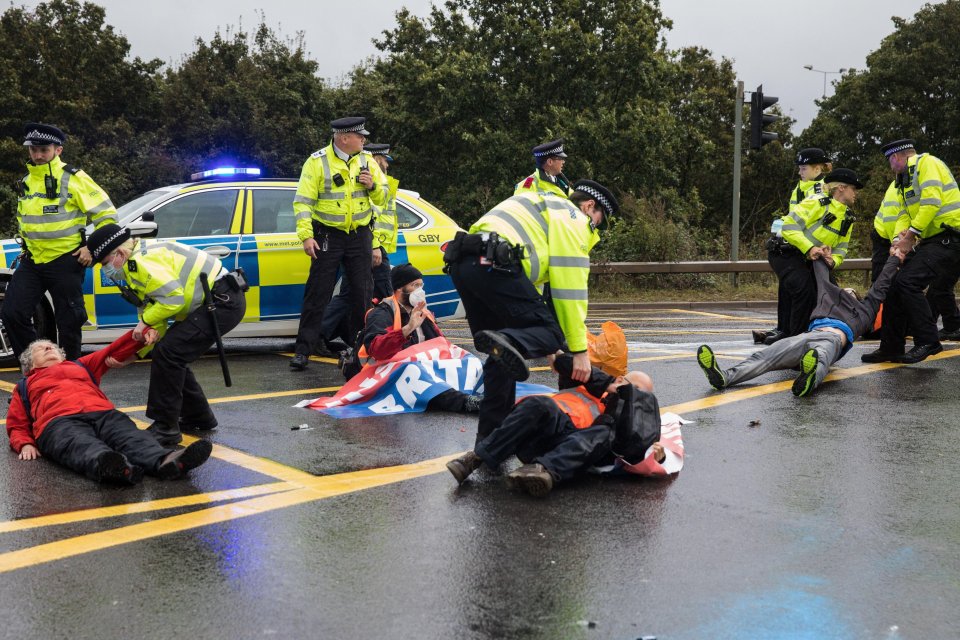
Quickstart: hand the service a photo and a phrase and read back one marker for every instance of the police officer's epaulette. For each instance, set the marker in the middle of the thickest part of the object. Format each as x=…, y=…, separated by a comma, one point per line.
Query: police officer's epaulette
x=825, y=200
x=71, y=169
x=818, y=187
x=318, y=153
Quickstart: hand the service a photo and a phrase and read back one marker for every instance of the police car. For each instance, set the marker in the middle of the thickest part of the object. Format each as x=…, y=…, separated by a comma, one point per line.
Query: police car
x=247, y=222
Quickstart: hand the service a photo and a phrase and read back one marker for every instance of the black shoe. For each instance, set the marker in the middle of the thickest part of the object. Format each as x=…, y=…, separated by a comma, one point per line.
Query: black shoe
x=166, y=435
x=920, y=352
x=177, y=463
x=708, y=362
x=472, y=404
x=463, y=466
x=759, y=336
x=775, y=336
x=197, y=425
x=953, y=334
x=532, y=478
x=804, y=383
x=498, y=347
x=113, y=466
x=299, y=362
x=322, y=350
x=881, y=356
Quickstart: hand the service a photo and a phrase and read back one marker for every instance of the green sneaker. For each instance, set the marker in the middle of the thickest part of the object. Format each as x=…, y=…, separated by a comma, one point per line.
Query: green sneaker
x=804, y=384
x=708, y=362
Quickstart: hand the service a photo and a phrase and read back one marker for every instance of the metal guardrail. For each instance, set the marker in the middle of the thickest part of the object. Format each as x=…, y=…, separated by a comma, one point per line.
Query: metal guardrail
x=719, y=266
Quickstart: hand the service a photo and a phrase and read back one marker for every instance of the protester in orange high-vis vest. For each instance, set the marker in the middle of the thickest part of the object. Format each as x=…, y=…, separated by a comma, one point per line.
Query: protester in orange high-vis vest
x=562, y=434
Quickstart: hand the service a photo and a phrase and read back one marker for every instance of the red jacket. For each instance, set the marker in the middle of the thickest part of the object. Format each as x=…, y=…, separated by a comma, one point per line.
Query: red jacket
x=64, y=390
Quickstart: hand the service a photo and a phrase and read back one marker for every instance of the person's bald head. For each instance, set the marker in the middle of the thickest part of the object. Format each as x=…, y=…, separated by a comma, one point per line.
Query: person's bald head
x=640, y=380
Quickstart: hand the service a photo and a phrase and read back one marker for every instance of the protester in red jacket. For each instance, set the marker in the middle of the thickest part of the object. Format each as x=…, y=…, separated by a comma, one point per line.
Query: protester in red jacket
x=68, y=419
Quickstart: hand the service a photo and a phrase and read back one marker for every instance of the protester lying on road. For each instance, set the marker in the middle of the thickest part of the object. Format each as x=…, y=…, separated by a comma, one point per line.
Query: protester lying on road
x=59, y=411
x=560, y=435
x=839, y=319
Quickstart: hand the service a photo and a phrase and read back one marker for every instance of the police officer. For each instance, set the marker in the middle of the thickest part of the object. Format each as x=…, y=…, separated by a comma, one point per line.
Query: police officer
x=812, y=165
x=55, y=203
x=384, y=242
x=931, y=240
x=818, y=224
x=884, y=231
x=165, y=279
x=339, y=186
x=548, y=178
x=499, y=268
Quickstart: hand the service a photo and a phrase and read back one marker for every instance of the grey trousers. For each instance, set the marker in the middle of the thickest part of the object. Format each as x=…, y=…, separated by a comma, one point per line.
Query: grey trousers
x=786, y=354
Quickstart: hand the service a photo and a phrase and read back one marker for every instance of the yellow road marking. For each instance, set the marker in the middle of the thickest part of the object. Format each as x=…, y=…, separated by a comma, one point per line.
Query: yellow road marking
x=7, y=386
x=142, y=507
x=318, y=489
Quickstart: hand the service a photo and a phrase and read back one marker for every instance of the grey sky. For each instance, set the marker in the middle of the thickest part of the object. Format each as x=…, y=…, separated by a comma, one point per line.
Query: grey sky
x=769, y=41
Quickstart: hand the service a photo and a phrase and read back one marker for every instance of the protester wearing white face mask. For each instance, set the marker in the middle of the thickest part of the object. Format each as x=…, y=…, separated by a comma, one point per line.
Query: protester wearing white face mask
x=401, y=321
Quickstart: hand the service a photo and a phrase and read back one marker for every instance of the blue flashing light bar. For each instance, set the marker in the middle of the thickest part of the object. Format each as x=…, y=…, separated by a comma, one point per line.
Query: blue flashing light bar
x=226, y=172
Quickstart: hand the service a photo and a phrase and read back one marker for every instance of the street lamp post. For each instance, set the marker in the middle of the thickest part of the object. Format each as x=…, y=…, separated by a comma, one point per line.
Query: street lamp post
x=809, y=67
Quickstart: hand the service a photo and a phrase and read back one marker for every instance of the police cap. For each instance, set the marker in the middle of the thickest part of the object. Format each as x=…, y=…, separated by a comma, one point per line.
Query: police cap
x=603, y=197
x=548, y=149
x=846, y=176
x=897, y=145
x=379, y=149
x=353, y=124
x=36, y=134
x=105, y=239
x=812, y=155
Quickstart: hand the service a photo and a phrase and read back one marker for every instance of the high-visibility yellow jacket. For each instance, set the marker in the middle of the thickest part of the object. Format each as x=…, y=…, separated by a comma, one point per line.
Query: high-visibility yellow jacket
x=344, y=206
x=385, y=224
x=819, y=221
x=51, y=227
x=930, y=196
x=166, y=277
x=891, y=214
x=540, y=182
x=557, y=239
x=805, y=189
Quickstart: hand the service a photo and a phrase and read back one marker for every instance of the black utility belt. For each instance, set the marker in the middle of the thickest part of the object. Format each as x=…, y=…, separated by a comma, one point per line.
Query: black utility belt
x=781, y=246
x=490, y=248
x=233, y=281
x=319, y=228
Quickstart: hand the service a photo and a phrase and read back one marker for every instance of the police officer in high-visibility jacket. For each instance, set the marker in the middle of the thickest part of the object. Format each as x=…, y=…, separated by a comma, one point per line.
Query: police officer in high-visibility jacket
x=55, y=202
x=818, y=221
x=548, y=178
x=164, y=277
x=931, y=241
x=812, y=165
x=338, y=187
x=884, y=231
x=384, y=242
x=499, y=269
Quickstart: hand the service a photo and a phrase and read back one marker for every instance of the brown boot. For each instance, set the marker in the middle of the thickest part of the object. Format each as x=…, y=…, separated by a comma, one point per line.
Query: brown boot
x=532, y=478
x=463, y=466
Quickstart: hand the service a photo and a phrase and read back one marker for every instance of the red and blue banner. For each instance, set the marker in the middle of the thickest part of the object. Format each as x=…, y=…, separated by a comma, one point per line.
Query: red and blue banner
x=410, y=380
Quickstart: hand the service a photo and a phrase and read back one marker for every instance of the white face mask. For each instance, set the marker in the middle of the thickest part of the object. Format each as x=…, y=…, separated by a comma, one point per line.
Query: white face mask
x=112, y=272
x=417, y=296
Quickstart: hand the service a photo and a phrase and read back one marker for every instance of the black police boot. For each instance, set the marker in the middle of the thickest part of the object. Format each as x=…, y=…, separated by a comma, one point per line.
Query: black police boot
x=881, y=356
x=299, y=362
x=472, y=404
x=177, y=463
x=774, y=336
x=193, y=424
x=463, y=466
x=920, y=352
x=949, y=334
x=532, y=478
x=166, y=435
x=499, y=347
x=759, y=335
x=113, y=466
x=323, y=350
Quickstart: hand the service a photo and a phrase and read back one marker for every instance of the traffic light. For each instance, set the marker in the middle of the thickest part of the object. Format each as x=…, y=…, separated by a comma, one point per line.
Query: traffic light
x=759, y=120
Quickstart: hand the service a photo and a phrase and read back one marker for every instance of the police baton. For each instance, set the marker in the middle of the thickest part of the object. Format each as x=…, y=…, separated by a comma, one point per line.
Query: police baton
x=212, y=310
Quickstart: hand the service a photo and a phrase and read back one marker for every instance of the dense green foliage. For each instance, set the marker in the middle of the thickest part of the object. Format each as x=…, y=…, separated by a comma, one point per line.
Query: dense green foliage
x=463, y=94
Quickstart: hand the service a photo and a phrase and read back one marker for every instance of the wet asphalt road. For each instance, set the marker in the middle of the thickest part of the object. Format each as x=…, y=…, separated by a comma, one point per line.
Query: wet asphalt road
x=835, y=517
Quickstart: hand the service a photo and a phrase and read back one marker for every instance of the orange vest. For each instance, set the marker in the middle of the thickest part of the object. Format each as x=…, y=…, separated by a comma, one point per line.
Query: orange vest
x=580, y=406
x=397, y=323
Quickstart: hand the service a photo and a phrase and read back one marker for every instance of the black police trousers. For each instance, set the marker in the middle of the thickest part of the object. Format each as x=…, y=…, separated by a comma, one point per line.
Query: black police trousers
x=174, y=391
x=797, y=293
x=77, y=441
x=504, y=300
x=880, y=247
x=336, y=317
x=906, y=308
x=538, y=431
x=354, y=250
x=63, y=278
x=450, y=400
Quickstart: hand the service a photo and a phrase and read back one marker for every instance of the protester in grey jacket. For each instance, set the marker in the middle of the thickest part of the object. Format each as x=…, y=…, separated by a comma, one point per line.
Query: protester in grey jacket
x=839, y=319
